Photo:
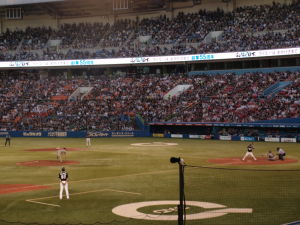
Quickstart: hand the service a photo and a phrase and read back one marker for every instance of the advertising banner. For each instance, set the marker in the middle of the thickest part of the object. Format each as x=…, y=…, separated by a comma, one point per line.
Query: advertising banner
x=272, y=139
x=247, y=138
x=195, y=136
x=152, y=60
x=203, y=137
x=176, y=136
x=225, y=138
x=75, y=134
x=293, y=140
x=158, y=135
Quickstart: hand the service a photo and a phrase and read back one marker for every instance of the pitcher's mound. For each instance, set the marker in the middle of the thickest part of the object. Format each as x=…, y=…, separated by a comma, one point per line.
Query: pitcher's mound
x=47, y=163
x=250, y=161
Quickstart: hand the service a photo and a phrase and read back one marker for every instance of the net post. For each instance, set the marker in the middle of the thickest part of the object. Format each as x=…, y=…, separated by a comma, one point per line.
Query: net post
x=181, y=206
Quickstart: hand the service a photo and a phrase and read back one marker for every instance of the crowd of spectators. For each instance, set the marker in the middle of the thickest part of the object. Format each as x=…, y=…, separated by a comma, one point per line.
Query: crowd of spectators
x=30, y=103
x=246, y=28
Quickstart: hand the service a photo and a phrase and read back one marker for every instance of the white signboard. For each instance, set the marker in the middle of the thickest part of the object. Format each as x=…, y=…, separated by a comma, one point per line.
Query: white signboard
x=176, y=135
x=288, y=140
x=197, y=136
x=152, y=60
x=225, y=138
x=272, y=139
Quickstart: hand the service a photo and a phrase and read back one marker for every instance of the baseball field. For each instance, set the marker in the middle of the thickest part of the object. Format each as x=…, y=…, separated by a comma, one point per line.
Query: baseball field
x=130, y=181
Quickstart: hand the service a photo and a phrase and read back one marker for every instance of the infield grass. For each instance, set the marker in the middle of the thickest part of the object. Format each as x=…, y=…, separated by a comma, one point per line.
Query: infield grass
x=112, y=172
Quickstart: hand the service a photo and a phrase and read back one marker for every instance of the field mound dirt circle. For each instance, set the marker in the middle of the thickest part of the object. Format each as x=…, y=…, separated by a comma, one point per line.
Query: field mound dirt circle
x=47, y=163
x=54, y=149
x=250, y=161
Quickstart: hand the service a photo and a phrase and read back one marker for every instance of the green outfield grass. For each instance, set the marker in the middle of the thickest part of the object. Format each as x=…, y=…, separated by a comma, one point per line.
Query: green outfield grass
x=113, y=172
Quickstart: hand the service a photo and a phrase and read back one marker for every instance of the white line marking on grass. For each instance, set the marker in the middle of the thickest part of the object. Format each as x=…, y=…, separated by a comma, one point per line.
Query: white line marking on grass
x=154, y=144
x=292, y=223
x=78, y=193
x=131, y=210
x=100, y=178
x=126, y=192
x=43, y=203
x=127, y=175
x=33, y=199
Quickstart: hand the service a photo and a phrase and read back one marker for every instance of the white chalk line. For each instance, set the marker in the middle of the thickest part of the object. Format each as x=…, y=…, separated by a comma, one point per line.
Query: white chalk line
x=42, y=203
x=292, y=223
x=127, y=175
x=93, y=179
x=34, y=200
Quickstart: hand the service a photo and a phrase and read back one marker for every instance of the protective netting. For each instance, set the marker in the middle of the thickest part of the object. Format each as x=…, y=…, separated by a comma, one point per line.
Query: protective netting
x=242, y=195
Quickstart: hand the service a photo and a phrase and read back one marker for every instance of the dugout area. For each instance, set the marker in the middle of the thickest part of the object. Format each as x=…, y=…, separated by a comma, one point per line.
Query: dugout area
x=113, y=172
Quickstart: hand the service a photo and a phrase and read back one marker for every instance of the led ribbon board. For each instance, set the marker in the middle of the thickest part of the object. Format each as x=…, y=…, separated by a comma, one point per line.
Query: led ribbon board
x=153, y=60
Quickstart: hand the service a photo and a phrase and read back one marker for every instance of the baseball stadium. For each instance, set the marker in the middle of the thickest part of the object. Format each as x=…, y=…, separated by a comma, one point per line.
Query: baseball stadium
x=149, y=112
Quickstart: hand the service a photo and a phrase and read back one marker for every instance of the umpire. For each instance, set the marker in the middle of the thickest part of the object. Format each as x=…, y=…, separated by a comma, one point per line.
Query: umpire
x=7, y=139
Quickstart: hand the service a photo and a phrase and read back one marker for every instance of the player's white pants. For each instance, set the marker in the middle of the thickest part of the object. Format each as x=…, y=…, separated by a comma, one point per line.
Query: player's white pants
x=88, y=141
x=64, y=185
x=59, y=157
x=249, y=154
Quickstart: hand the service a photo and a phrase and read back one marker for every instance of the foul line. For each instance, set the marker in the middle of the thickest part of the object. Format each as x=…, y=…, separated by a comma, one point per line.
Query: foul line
x=34, y=200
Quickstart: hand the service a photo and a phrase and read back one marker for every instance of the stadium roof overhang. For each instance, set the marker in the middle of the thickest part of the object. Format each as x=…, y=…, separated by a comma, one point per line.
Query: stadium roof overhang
x=84, y=8
x=23, y=2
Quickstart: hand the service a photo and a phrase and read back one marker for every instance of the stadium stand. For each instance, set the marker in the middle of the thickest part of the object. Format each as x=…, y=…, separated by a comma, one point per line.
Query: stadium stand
x=246, y=28
x=112, y=104
x=32, y=102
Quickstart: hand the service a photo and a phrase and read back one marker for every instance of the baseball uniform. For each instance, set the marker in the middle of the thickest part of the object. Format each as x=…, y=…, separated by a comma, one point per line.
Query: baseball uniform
x=63, y=176
x=249, y=152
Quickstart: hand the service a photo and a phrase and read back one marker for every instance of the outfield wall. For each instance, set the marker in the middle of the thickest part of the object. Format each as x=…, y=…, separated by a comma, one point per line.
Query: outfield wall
x=287, y=131
x=112, y=134
x=282, y=130
x=76, y=134
x=229, y=137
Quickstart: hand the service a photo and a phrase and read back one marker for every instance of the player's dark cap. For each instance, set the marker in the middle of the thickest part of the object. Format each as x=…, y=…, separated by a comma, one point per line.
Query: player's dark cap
x=63, y=169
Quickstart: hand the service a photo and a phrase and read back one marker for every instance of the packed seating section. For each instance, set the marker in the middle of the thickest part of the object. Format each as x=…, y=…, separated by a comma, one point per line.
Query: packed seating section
x=29, y=103
x=246, y=28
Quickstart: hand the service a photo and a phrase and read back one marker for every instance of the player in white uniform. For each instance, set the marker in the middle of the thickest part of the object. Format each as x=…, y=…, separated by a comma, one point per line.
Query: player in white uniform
x=61, y=154
x=281, y=153
x=271, y=156
x=88, y=140
x=249, y=152
x=63, y=177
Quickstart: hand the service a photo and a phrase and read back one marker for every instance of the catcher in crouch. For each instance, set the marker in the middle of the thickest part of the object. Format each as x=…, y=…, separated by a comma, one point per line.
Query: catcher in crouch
x=61, y=154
